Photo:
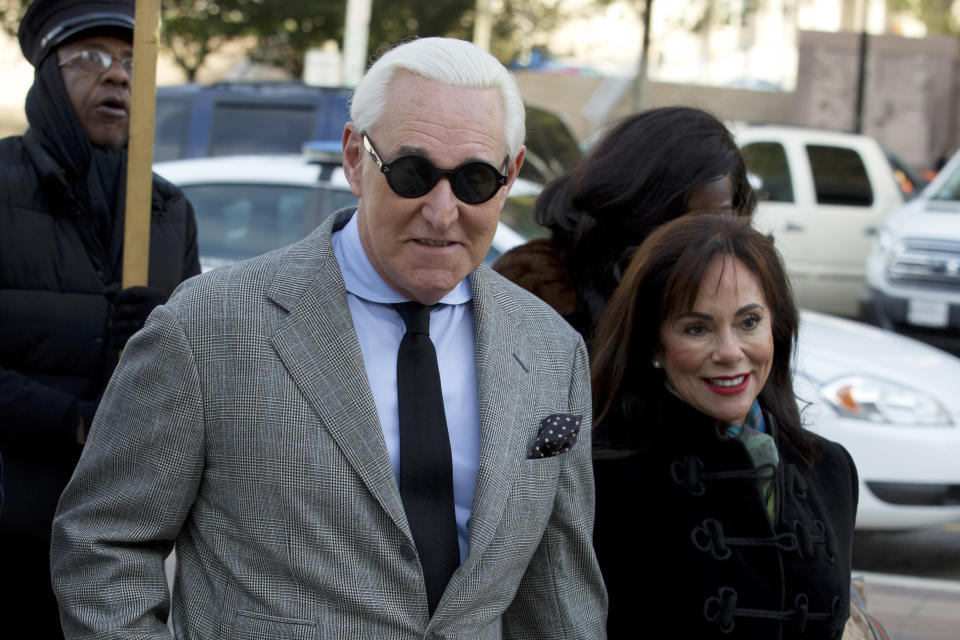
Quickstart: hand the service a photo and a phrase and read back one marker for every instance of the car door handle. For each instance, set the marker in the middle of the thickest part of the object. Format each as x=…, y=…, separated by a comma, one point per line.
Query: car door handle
x=792, y=226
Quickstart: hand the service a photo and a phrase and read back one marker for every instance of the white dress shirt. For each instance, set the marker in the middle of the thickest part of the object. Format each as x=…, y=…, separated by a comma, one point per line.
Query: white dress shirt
x=380, y=328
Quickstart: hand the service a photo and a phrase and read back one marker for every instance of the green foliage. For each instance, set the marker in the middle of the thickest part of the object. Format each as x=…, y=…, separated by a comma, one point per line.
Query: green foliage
x=191, y=30
x=11, y=11
x=936, y=14
x=524, y=25
x=283, y=30
x=393, y=21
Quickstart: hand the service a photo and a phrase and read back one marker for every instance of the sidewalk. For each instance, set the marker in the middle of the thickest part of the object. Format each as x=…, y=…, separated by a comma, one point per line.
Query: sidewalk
x=914, y=608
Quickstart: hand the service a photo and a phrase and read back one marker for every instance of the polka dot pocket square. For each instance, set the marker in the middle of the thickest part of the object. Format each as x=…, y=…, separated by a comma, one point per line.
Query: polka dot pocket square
x=558, y=433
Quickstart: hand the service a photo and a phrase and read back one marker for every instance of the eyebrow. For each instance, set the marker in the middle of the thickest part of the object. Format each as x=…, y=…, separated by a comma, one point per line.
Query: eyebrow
x=706, y=316
x=407, y=149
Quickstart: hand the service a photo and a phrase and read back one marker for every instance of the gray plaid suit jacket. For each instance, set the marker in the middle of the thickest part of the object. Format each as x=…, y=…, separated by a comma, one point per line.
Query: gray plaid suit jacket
x=240, y=425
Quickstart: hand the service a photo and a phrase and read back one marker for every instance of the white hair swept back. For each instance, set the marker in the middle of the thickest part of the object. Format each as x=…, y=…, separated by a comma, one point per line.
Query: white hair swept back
x=455, y=63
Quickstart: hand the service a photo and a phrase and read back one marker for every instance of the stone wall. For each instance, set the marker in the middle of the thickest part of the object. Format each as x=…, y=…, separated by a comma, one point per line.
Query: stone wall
x=580, y=100
x=910, y=90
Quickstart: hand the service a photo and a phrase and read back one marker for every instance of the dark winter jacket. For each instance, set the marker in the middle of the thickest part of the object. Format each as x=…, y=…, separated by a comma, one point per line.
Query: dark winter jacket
x=683, y=536
x=56, y=282
x=681, y=533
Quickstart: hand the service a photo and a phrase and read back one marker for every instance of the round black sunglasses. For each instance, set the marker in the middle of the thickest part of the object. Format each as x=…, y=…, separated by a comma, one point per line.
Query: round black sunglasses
x=412, y=176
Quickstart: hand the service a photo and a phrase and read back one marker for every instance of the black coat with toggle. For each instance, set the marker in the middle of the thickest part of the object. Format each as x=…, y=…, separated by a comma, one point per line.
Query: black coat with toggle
x=685, y=542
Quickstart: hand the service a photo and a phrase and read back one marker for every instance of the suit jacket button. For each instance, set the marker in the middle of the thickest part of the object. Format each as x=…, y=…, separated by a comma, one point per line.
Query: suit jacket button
x=407, y=552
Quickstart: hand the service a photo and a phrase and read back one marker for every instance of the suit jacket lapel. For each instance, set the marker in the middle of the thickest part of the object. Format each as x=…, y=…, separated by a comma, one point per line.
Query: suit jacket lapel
x=503, y=359
x=318, y=346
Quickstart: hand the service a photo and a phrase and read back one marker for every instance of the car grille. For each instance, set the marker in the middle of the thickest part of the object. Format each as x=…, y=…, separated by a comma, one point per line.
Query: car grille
x=932, y=263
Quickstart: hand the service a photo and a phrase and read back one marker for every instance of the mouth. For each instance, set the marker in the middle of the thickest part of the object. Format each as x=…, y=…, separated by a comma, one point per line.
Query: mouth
x=434, y=243
x=114, y=106
x=728, y=385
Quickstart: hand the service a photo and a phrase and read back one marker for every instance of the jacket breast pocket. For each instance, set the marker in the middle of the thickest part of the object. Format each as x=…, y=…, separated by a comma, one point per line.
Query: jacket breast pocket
x=256, y=626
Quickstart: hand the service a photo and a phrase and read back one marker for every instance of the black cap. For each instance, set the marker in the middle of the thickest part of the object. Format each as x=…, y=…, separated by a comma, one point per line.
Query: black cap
x=49, y=23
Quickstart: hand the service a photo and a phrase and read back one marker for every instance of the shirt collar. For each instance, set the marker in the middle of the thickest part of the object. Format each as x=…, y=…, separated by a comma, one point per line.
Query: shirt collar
x=363, y=281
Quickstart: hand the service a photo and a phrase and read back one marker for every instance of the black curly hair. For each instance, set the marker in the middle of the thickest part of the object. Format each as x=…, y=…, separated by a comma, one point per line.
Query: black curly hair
x=639, y=176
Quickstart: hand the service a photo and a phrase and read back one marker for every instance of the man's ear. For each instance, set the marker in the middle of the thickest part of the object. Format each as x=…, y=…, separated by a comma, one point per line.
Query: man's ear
x=353, y=157
x=514, y=169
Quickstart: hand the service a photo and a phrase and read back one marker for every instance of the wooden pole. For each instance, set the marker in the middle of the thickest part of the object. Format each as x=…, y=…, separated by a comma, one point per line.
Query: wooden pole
x=136, y=236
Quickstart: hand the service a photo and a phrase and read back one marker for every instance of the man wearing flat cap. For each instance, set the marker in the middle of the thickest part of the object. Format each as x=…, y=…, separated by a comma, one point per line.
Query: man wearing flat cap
x=64, y=316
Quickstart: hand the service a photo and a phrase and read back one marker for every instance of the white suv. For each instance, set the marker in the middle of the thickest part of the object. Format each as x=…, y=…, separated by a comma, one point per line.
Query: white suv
x=823, y=197
x=913, y=270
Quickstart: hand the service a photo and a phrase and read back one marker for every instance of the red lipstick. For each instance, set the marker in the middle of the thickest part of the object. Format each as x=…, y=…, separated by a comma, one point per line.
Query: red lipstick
x=726, y=390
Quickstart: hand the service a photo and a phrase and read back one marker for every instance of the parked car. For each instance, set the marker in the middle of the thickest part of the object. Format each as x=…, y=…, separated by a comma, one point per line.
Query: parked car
x=239, y=118
x=893, y=403
x=913, y=269
x=890, y=400
x=823, y=196
x=235, y=118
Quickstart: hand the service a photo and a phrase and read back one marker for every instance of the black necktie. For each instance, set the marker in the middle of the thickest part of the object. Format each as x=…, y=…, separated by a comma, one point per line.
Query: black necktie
x=426, y=470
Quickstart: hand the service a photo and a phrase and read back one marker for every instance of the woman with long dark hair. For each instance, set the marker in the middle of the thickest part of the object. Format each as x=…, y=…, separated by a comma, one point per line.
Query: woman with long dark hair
x=650, y=169
x=716, y=510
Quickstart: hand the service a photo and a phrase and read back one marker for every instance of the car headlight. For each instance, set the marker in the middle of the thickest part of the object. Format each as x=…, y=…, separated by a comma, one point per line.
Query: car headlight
x=882, y=401
x=883, y=241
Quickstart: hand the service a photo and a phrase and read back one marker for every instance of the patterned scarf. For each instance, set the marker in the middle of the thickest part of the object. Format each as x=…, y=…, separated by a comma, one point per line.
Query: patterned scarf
x=762, y=450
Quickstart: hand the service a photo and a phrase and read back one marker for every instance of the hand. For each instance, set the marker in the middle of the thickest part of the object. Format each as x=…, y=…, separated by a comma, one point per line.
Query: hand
x=86, y=409
x=131, y=307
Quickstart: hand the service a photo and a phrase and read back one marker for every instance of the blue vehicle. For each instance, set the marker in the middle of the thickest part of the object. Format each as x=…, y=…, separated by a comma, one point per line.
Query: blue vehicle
x=235, y=118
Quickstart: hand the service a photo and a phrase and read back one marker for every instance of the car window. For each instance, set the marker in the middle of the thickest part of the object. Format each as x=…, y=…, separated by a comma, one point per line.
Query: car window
x=839, y=176
x=240, y=128
x=239, y=221
x=171, y=129
x=551, y=148
x=950, y=190
x=769, y=171
x=518, y=215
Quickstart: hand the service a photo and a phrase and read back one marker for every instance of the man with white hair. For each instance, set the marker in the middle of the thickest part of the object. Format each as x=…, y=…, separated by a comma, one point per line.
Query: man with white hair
x=365, y=434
